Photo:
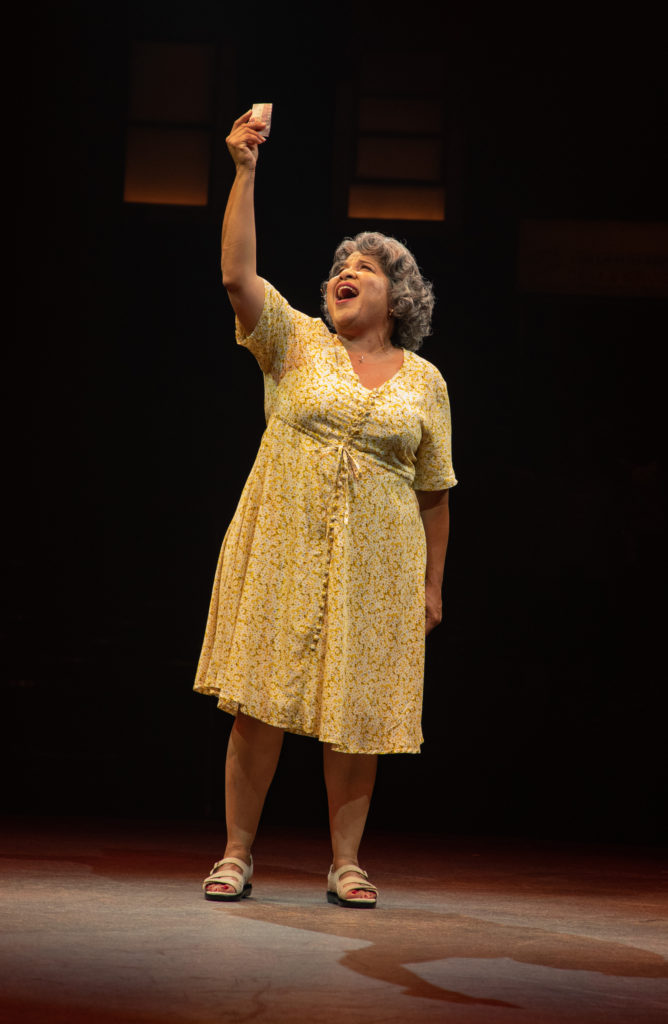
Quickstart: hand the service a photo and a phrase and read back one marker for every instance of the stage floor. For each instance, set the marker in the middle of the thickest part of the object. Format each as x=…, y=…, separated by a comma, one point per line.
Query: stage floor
x=105, y=922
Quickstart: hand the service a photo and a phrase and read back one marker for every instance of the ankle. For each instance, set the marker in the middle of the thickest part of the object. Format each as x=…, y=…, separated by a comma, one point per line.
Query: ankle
x=338, y=862
x=238, y=851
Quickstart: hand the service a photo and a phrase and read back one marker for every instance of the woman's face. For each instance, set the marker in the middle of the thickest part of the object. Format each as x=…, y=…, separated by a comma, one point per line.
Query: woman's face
x=358, y=296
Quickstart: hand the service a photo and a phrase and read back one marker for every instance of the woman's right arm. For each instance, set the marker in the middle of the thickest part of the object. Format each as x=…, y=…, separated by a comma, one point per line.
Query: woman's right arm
x=237, y=259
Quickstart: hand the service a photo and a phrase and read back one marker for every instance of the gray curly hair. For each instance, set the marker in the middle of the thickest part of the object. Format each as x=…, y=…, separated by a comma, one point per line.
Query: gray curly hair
x=411, y=296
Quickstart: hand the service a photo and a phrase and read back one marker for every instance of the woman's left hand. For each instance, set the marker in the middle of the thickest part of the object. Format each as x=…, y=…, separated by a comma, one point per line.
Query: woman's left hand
x=433, y=607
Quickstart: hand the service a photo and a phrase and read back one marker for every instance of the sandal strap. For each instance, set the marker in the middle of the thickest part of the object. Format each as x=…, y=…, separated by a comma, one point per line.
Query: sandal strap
x=347, y=885
x=233, y=878
x=233, y=860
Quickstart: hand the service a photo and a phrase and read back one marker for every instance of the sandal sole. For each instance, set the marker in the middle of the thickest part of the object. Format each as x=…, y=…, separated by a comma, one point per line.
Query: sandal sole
x=352, y=904
x=228, y=897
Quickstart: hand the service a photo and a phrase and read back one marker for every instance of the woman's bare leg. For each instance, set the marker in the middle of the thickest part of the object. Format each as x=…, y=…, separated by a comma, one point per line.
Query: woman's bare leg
x=252, y=756
x=349, y=779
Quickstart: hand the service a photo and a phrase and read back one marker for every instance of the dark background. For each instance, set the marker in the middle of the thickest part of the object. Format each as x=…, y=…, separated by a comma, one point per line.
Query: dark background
x=134, y=419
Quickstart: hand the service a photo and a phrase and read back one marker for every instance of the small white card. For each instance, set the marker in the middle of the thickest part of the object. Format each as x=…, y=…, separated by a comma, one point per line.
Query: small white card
x=262, y=112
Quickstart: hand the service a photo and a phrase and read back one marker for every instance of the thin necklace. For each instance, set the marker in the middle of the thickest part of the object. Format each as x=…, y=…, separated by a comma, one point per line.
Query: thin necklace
x=361, y=358
x=384, y=349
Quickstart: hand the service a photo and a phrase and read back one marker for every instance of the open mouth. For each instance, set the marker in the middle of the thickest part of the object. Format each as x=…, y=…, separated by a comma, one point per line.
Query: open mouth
x=346, y=291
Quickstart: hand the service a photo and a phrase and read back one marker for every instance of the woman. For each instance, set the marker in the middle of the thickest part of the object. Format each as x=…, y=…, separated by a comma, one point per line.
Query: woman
x=331, y=570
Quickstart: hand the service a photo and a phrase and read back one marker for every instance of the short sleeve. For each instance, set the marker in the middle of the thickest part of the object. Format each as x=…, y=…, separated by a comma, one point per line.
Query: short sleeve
x=433, y=464
x=276, y=332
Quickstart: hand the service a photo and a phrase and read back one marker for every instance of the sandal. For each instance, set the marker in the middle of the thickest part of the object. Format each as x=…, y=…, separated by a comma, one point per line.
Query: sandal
x=338, y=891
x=239, y=882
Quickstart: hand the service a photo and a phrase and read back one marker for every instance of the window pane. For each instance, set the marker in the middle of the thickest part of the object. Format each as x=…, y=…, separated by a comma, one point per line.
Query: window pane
x=593, y=257
x=416, y=115
x=167, y=165
x=399, y=158
x=396, y=202
x=171, y=82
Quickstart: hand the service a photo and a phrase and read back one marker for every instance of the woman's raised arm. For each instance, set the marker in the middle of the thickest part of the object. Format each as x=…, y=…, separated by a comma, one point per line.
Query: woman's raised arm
x=237, y=259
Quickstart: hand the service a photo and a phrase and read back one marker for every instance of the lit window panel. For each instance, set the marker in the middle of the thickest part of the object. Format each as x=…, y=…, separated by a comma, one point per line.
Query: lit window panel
x=167, y=165
x=396, y=202
x=388, y=158
x=593, y=258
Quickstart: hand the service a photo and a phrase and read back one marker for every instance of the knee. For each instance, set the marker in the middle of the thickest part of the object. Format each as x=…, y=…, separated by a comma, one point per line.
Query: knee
x=251, y=728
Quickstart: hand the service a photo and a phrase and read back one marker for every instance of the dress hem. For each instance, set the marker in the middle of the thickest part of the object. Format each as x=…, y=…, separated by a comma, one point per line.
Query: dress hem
x=232, y=707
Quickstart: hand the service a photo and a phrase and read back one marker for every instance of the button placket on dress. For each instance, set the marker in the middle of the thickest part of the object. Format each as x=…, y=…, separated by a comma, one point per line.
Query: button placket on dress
x=347, y=466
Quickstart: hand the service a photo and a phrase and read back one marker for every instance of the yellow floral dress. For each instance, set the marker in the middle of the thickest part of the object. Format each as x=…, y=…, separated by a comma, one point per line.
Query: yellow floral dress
x=317, y=615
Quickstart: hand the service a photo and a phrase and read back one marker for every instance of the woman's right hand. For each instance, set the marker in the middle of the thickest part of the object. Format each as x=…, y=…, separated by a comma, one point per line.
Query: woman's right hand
x=244, y=140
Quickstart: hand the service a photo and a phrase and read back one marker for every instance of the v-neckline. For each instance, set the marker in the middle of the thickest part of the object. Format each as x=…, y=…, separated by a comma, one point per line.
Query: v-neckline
x=350, y=366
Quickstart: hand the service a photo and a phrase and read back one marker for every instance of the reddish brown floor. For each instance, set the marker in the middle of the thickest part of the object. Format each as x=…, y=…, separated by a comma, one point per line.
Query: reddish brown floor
x=105, y=922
